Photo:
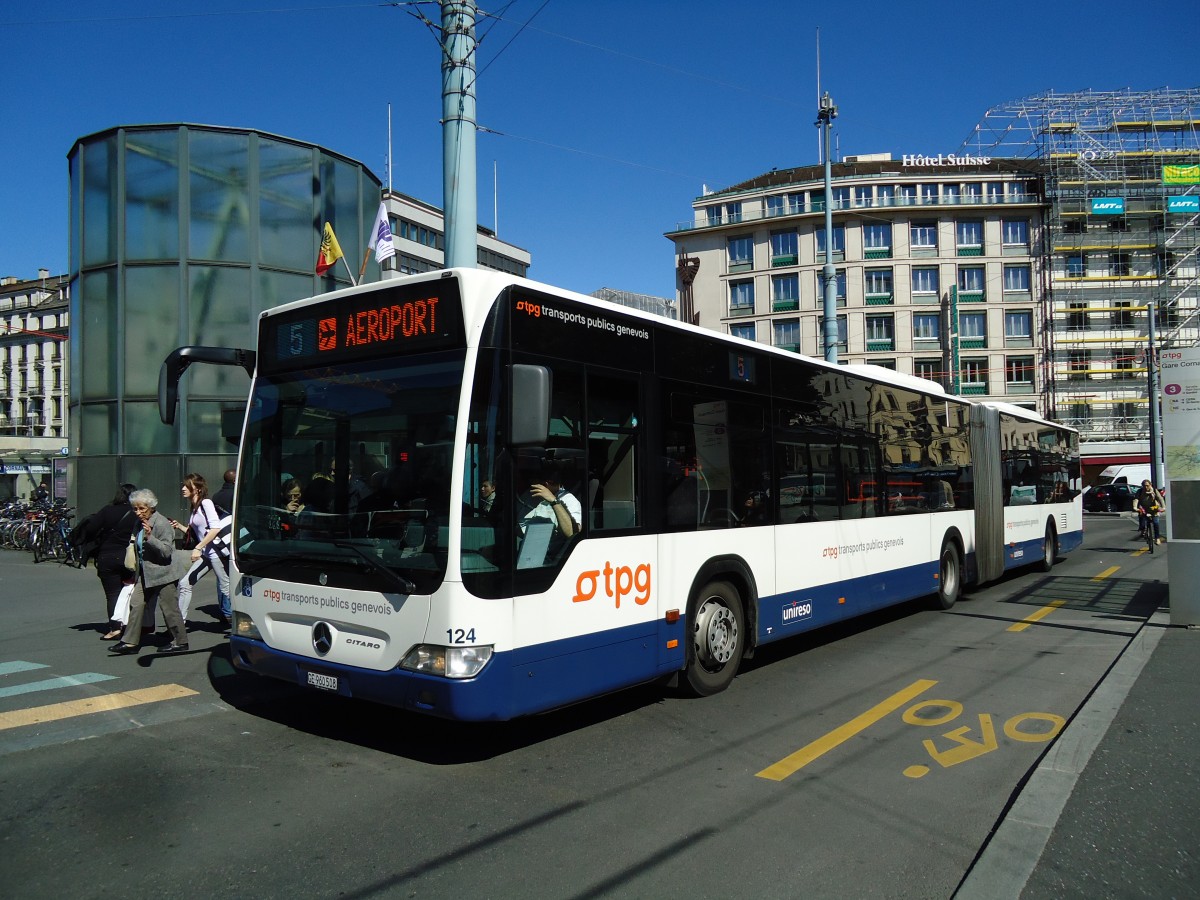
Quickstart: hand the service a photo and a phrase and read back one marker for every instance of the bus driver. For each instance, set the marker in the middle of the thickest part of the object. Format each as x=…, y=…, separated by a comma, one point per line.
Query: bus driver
x=555, y=504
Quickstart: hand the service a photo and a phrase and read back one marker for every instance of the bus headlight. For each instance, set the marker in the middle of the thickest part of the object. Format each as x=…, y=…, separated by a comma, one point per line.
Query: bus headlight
x=448, y=662
x=243, y=626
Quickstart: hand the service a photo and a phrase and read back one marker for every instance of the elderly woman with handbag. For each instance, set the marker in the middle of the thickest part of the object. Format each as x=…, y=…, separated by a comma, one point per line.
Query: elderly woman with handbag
x=158, y=565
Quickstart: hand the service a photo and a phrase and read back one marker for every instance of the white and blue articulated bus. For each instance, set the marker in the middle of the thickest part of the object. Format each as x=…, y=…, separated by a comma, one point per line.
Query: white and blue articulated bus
x=660, y=500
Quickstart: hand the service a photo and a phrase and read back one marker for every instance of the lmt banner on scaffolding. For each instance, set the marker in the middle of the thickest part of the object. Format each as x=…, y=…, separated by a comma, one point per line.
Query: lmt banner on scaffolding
x=1181, y=174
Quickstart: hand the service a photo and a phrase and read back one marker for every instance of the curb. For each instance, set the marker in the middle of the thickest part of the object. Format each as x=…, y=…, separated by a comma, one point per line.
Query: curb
x=1013, y=850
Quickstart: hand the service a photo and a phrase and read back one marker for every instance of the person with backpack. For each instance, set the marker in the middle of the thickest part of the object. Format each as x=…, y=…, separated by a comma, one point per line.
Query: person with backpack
x=106, y=535
x=223, y=501
x=203, y=538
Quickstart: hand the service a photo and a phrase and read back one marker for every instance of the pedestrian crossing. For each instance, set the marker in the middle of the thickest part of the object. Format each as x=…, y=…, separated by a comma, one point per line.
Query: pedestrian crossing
x=72, y=696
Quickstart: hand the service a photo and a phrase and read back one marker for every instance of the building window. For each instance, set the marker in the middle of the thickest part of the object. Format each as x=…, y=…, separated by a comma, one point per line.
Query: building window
x=927, y=328
x=713, y=214
x=1018, y=375
x=741, y=298
x=1077, y=317
x=787, y=334
x=774, y=205
x=970, y=283
x=973, y=376
x=862, y=196
x=1078, y=364
x=785, y=292
x=741, y=253
x=885, y=195
x=1076, y=265
x=923, y=236
x=1123, y=362
x=839, y=242
x=973, y=192
x=929, y=195
x=881, y=333
x=733, y=212
x=1119, y=224
x=995, y=191
x=877, y=240
x=1016, y=279
x=1118, y=265
x=969, y=238
x=795, y=204
x=746, y=332
x=951, y=193
x=783, y=248
x=972, y=329
x=1018, y=328
x=1122, y=316
x=841, y=198
x=1074, y=226
x=908, y=195
x=930, y=369
x=840, y=287
x=1015, y=233
x=842, y=333
x=877, y=285
x=925, y=281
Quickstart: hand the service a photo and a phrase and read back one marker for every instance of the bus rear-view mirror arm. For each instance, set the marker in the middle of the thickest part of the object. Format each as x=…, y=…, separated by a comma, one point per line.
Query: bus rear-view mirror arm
x=176, y=364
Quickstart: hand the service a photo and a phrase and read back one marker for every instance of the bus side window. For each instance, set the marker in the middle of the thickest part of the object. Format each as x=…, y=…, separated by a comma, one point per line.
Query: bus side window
x=611, y=500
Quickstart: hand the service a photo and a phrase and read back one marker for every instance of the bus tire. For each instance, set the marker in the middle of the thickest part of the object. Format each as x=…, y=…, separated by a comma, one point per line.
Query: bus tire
x=950, y=575
x=1049, y=549
x=718, y=625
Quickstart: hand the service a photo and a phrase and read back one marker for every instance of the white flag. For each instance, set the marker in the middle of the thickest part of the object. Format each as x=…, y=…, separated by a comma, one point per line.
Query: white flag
x=381, y=236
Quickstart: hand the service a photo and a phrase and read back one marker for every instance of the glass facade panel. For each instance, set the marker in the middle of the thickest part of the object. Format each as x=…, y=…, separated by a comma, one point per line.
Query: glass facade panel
x=97, y=324
x=144, y=433
x=219, y=224
x=98, y=429
x=151, y=326
x=73, y=166
x=99, y=202
x=341, y=203
x=275, y=289
x=208, y=420
x=287, y=238
x=152, y=195
x=218, y=324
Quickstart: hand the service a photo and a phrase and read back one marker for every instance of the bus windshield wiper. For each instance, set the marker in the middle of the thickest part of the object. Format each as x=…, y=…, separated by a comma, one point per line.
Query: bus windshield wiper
x=406, y=586
x=259, y=565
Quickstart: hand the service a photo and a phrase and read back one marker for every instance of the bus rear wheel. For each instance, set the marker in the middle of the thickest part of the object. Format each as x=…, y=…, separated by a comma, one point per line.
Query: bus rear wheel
x=949, y=575
x=718, y=639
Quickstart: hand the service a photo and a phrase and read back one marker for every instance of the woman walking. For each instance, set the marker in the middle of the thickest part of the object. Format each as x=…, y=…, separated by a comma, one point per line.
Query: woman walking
x=157, y=566
x=205, y=525
x=111, y=528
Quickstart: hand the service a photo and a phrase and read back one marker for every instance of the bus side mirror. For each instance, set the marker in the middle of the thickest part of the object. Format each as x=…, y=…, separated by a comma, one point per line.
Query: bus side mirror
x=529, y=419
x=176, y=364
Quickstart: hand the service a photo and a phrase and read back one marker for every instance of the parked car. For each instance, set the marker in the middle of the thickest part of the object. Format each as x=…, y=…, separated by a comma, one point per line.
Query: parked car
x=1110, y=498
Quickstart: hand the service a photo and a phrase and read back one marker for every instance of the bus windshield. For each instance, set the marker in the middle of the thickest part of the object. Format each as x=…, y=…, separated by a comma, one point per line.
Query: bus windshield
x=346, y=473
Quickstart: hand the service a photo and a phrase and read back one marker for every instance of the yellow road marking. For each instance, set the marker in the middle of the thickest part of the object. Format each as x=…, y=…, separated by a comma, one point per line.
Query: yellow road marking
x=1037, y=616
x=40, y=714
x=1110, y=570
x=789, y=765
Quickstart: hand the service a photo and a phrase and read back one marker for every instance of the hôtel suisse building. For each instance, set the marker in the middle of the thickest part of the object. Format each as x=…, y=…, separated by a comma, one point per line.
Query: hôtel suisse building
x=936, y=260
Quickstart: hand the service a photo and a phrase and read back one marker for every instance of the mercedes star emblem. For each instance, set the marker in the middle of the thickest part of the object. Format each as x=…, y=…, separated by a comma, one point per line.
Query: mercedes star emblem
x=322, y=638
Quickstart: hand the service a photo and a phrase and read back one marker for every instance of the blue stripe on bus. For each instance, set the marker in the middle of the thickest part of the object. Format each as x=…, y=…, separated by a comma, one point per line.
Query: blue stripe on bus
x=546, y=676
x=1024, y=553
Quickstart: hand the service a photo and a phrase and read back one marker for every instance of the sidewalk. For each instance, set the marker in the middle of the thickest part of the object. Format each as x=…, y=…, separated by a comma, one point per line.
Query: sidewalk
x=1113, y=810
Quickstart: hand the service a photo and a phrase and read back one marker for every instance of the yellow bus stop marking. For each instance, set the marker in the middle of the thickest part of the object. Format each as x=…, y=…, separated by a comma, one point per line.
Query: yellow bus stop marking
x=789, y=765
x=39, y=715
x=1037, y=616
x=1109, y=571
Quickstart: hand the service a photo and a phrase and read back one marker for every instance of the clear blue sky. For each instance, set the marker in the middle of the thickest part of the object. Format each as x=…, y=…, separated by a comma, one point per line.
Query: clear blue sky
x=614, y=114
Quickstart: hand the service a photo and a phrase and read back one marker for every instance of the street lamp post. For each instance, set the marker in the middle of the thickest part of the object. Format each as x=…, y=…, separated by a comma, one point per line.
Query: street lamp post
x=826, y=113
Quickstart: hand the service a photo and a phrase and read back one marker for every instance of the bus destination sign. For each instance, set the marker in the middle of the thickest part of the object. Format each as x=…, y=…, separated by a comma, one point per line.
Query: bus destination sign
x=407, y=319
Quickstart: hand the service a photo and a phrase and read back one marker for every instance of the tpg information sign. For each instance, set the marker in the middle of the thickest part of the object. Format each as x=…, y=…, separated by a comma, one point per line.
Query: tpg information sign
x=1180, y=379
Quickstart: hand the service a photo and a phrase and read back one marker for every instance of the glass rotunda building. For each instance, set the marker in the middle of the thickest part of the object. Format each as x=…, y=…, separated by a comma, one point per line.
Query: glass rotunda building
x=182, y=234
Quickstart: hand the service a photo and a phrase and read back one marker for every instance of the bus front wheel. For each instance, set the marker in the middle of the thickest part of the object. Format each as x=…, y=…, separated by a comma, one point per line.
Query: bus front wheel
x=718, y=639
x=949, y=575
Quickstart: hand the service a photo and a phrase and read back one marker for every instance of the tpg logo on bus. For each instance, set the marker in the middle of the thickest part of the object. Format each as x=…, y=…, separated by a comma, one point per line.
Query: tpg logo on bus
x=532, y=309
x=619, y=582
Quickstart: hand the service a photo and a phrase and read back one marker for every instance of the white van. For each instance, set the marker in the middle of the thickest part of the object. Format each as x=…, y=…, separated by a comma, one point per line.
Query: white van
x=1125, y=473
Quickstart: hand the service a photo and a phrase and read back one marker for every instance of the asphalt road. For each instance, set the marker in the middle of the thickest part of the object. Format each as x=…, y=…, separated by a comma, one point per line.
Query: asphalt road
x=869, y=759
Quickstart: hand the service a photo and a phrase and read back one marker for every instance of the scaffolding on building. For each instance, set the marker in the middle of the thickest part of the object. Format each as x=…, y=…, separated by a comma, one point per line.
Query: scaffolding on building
x=1122, y=240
